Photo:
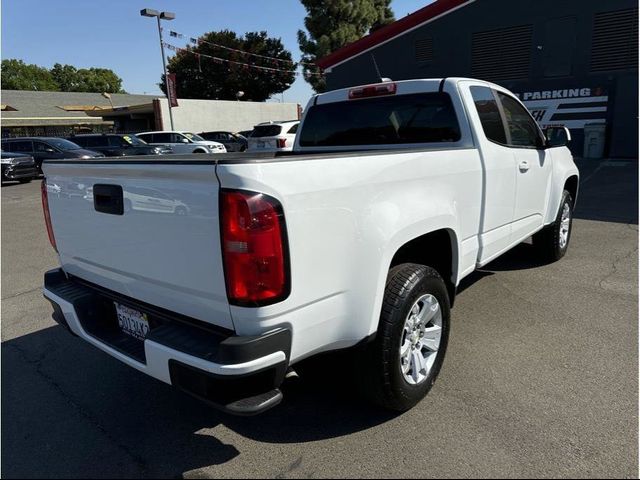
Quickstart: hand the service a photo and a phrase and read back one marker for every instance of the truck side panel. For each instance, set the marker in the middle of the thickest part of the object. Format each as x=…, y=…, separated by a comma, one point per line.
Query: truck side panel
x=346, y=218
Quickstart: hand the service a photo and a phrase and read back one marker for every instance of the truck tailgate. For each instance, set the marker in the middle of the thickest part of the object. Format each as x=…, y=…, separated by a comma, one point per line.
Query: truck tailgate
x=162, y=248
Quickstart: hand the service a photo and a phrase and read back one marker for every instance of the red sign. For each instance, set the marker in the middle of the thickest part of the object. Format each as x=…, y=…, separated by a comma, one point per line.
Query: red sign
x=171, y=89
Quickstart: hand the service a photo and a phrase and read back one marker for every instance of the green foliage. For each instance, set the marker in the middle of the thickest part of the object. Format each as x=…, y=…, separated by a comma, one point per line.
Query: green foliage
x=332, y=24
x=207, y=79
x=17, y=75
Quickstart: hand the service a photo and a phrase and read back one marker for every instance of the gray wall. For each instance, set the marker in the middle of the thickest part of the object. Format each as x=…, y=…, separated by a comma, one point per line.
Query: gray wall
x=210, y=115
x=452, y=56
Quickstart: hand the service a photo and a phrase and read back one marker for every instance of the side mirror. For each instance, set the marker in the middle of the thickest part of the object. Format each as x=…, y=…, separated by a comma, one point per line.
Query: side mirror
x=557, y=136
x=184, y=140
x=49, y=150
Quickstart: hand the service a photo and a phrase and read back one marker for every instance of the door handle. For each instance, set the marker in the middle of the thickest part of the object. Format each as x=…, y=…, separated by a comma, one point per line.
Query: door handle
x=524, y=166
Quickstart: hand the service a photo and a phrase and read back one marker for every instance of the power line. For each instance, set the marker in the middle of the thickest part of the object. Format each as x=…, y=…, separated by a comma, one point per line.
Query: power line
x=234, y=62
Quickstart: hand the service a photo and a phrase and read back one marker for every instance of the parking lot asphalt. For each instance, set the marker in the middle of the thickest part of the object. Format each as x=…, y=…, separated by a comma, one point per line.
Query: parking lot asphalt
x=540, y=379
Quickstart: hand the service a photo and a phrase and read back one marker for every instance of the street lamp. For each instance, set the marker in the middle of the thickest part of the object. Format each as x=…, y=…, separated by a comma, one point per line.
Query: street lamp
x=108, y=97
x=148, y=12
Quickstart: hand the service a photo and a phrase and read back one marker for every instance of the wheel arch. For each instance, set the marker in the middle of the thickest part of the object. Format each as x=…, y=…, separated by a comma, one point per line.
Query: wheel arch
x=571, y=185
x=437, y=249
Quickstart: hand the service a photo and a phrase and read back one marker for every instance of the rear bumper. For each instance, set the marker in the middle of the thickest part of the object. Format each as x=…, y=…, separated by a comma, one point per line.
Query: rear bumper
x=240, y=375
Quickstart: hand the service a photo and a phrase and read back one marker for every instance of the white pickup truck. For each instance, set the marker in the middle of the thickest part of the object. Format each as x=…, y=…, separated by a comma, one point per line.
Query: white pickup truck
x=358, y=238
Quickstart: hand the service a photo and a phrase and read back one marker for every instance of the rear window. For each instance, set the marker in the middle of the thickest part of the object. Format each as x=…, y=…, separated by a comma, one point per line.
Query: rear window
x=266, y=131
x=392, y=120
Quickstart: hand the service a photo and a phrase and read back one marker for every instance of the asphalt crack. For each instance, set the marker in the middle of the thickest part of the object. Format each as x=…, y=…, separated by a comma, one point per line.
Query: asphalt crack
x=139, y=462
x=39, y=287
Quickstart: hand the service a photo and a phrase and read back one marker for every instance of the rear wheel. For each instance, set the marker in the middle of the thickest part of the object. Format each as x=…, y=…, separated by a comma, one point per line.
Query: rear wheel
x=552, y=241
x=403, y=362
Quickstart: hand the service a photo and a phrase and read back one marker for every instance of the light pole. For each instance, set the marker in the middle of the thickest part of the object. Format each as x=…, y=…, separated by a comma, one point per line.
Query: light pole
x=148, y=12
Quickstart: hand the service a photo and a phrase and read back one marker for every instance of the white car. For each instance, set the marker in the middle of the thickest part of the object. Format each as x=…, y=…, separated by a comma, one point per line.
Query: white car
x=273, y=137
x=393, y=194
x=182, y=142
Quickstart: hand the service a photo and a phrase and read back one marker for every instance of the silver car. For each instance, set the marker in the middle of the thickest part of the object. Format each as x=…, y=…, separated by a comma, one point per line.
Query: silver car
x=182, y=142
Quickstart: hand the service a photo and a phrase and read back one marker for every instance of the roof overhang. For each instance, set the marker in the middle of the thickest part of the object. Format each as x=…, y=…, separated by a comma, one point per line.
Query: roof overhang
x=431, y=12
x=121, y=111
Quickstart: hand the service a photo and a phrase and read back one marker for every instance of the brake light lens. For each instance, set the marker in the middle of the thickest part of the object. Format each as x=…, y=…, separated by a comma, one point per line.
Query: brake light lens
x=47, y=215
x=254, y=248
x=377, y=90
x=282, y=142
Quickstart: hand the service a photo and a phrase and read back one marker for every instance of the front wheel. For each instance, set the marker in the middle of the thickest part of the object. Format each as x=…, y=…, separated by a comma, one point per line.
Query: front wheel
x=402, y=364
x=552, y=241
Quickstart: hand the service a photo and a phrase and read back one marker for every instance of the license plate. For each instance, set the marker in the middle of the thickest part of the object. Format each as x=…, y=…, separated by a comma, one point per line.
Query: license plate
x=260, y=144
x=132, y=322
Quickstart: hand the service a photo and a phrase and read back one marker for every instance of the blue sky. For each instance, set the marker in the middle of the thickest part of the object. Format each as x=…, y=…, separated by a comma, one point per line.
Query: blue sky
x=112, y=34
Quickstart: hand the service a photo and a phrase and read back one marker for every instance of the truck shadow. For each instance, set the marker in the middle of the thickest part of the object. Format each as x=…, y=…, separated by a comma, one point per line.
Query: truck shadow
x=97, y=417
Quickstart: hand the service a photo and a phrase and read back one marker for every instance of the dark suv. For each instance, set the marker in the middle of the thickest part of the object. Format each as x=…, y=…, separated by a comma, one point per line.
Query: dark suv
x=117, y=145
x=233, y=142
x=43, y=148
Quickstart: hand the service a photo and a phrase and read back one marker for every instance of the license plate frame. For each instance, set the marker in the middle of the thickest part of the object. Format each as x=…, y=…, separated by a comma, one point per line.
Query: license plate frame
x=132, y=322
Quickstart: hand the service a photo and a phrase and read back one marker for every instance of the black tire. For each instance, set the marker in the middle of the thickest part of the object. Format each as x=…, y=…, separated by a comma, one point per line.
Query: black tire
x=199, y=150
x=25, y=180
x=383, y=381
x=548, y=240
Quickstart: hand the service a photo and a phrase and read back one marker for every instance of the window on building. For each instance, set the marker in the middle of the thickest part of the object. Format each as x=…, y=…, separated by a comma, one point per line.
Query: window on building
x=489, y=113
x=523, y=130
x=559, y=46
x=502, y=54
x=424, y=49
x=615, y=40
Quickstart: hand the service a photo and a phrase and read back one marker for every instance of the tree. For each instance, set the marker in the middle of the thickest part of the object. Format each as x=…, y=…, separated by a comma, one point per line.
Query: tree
x=17, y=75
x=332, y=24
x=69, y=79
x=200, y=76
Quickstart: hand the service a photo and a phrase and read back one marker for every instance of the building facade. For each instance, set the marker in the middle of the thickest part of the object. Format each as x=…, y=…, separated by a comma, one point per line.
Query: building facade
x=572, y=62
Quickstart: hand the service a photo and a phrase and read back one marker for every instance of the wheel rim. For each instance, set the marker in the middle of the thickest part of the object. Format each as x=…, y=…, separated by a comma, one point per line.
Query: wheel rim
x=420, y=339
x=565, y=225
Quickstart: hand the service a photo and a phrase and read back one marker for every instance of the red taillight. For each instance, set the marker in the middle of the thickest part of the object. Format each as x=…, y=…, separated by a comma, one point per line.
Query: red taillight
x=282, y=142
x=47, y=215
x=253, y=248
x=373, y=91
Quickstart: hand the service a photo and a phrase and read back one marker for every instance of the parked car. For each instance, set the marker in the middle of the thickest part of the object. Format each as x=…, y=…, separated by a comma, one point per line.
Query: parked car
x=233, y=142
x=394, y=193
x=42, y=148
x=245, y=133
x=182, y=142
x=18, y=166
x=117, y=145
x=273, y=136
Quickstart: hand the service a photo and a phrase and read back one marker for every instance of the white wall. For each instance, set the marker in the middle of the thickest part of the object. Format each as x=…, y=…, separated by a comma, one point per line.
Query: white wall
x=207, y=115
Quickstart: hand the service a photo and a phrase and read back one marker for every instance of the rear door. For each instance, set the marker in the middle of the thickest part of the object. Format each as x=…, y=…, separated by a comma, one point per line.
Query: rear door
x=145, y=251
x=532, y=166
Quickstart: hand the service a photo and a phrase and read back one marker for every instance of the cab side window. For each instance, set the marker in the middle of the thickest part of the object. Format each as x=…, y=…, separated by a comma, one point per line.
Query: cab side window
x=522, y=128
x=489, y=114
